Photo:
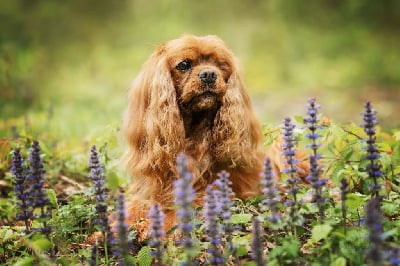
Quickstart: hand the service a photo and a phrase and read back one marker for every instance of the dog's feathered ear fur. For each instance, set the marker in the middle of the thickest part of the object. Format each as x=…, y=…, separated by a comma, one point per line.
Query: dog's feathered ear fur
x=237, y=131
x=152, y=125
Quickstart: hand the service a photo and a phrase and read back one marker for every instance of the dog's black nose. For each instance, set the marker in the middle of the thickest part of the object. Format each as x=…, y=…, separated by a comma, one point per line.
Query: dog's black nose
x=208, y=76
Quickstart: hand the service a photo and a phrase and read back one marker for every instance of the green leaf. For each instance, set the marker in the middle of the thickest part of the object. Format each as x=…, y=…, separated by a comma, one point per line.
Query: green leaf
x=241, y=218
x=320, y=231
x=396, y=135
x=113, y=180
x=249, y=263
x=27, y=261
x=339, y=262
x=41, y=244
x=6, y=234
x=144, y=256
x=355, y=200
x=299, y=119
x=241, y=251
x=51, y=194
x=351, y=250
x=390, y=208
x=242, y=240
x=292, y=247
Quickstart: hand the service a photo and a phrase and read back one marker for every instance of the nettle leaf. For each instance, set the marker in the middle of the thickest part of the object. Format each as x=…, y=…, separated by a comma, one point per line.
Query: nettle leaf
x=291, y=246
x=241, y=218
x=355, y=200
x=390, y=207
x=144, y=257
x=350, y=251
x=320, y=231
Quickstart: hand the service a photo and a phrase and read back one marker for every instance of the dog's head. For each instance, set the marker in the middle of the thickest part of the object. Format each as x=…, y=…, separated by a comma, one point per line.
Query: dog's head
x=188, y=87
x=200, y=69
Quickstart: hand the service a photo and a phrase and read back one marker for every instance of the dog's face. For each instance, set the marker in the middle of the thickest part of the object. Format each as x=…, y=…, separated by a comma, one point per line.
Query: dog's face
x=200, y=69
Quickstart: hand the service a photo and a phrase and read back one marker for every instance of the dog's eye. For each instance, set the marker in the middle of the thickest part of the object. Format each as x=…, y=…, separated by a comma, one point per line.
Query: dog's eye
x=184, y=66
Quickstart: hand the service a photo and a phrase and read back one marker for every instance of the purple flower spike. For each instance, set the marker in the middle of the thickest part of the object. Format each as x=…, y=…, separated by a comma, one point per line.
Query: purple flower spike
x=344, y=188
x=97, y=176
x=270, y=193
x=122, y=248
x=94, y=255
x=212, y=211
x=312, y=124
x=373, y=167
x=184, y=194
x=38, y=194
x=373, y=221
x=256, y=244
x=19, y=173
x=317, y=183
x=289, y=152
x=156, y=233
x=225, y=190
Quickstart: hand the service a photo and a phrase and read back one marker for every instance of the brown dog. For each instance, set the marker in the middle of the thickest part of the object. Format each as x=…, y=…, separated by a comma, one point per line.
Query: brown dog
x=189, y=98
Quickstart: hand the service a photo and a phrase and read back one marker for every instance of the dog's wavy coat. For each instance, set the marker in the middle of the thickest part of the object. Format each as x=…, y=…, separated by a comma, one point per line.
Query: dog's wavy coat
x=189, y=98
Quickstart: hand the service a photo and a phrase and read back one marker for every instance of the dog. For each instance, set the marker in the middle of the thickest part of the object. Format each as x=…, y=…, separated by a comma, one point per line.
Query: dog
x=189, y=97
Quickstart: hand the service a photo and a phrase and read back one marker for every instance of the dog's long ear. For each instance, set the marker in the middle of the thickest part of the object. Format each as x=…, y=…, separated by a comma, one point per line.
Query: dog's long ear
x=238, y=132
x=152, y=124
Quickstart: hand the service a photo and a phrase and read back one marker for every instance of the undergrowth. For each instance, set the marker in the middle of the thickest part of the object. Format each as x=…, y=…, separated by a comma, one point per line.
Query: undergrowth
x=346, y=212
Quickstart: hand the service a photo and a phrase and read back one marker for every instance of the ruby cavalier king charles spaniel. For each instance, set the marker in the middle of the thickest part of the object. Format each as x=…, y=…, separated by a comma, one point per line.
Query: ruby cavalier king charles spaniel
x=189, y=98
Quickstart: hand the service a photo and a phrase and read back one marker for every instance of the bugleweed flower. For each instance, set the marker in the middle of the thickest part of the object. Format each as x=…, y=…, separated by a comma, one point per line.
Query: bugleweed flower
x=156, y=233
x=122, y=248
x=211, y=212
x=317, y=183
x=21, y=190
x=184, y=194
x=37, y=192
x=374, y=167
x=97, y=176
x=344, y=189
x=225, y=192
x=270, y=192
x=256, y=243
x=373, y=221
x=93, y=255
x=312, y=124
x=289, y=152
x=394, y=257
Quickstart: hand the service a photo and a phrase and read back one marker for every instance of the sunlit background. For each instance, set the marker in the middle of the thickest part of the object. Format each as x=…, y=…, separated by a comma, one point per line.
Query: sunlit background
x=65, y=66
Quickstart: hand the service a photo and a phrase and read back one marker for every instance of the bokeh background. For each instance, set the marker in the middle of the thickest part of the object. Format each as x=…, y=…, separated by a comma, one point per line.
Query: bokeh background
x=71, y=62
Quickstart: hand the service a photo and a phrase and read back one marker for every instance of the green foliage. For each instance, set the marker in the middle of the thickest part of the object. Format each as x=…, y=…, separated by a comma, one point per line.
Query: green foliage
x=241, y=218
x=323, y=244
x=143, y=257
x=286, y=254
x=320, y=232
